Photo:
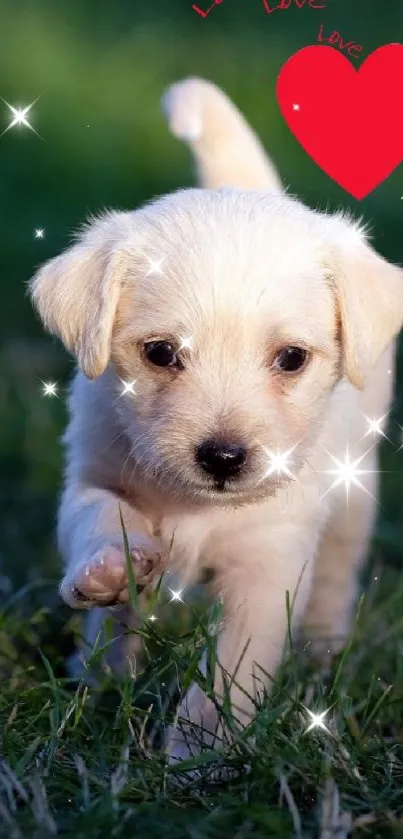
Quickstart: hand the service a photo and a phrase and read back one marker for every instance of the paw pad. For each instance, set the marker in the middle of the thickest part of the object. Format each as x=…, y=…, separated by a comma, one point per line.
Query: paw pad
x=102, y=581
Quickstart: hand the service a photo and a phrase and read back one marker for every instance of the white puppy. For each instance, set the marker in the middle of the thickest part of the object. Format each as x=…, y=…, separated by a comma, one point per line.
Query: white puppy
x=258, y=335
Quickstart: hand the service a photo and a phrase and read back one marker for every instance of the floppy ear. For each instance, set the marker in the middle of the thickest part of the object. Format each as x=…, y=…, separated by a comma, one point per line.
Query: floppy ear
x=76, y=295
x=369, y=291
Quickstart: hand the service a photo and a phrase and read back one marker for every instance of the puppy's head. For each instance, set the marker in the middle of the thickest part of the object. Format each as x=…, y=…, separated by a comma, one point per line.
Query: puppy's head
x=235, y=314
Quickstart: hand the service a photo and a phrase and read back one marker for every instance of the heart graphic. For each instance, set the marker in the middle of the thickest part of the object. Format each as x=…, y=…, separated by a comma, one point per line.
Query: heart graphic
x=349, y=121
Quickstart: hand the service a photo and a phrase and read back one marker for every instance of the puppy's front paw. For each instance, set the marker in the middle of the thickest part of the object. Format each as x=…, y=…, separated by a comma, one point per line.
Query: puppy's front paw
x=102, y=579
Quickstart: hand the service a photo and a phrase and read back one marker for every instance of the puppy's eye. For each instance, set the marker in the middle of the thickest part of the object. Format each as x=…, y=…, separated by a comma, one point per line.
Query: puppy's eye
x=291, y=359
x=162, y=354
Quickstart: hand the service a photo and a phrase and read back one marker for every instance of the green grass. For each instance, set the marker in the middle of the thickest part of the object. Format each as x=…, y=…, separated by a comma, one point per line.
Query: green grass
x=84, y=762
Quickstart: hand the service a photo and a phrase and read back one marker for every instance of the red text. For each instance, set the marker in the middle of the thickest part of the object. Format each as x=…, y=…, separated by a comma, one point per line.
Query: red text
x=285, y=4
x=268, y=5
x=336, y=39
x=205, y=13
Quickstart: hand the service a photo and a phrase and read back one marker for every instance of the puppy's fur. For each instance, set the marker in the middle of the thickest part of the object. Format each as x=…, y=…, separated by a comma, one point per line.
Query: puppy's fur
x=243, y=271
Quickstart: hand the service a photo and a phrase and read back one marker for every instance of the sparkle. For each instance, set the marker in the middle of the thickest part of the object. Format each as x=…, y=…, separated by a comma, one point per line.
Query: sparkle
x=186, y=344
x=152, y=618
x=348, y=473
x=20, y=117
x=375, y=426
x=39, y=233
x=279, y=463
x=317, y=720
x=128, y=388
x=401, y=438
x=49, y=388
x=155, y=266
x=295, y=107
x=176, y=595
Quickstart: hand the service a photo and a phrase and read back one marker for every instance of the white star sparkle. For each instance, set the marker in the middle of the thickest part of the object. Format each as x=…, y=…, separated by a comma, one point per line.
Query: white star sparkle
x=176, y=596
x=20, y=117
x=295, y=107
x=39, y=233
x=128, y=388
x=155, y=266
x=152, y=618
x=186, y=344
x=279, y=463
x=375, y=426
x=348, y=473
x=49, y=388
x=317, y=720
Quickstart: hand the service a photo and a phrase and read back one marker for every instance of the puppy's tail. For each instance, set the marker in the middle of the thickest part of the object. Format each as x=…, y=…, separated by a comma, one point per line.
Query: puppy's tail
x=226, y=150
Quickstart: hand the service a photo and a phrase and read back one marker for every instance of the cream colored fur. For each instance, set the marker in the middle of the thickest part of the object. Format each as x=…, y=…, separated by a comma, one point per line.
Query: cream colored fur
x=243, y=273
x=225, y=149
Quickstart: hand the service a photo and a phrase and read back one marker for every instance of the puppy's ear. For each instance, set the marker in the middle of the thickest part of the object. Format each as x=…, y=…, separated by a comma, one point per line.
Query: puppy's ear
x=76, y=294
x=369, y=293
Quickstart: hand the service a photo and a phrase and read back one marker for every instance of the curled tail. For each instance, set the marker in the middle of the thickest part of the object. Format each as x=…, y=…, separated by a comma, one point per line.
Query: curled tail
x=225, y=149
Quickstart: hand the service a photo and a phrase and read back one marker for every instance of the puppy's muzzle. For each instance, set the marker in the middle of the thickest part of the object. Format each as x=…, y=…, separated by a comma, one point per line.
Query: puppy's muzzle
x=222, y=461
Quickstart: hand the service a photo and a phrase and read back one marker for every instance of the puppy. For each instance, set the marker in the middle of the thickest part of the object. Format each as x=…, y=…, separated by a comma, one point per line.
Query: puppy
x=232, y=344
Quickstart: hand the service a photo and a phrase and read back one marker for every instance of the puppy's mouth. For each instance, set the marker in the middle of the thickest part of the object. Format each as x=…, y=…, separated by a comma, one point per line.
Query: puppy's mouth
x=227, y=486
x=231, y=488
x=221, y=484
x=250, y=487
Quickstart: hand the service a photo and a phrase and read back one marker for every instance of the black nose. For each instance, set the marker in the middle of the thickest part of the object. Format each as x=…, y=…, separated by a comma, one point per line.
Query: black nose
x=221, y=460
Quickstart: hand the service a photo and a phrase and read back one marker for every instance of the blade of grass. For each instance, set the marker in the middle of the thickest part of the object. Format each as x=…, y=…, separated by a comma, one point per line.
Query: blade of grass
x=133, y=595
x=348, y=647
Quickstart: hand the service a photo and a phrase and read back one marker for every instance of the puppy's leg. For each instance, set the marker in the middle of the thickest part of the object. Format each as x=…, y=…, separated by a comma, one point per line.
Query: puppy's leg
x=92, y=543
x=343, y=549
x=255, y=624
x=121, y=645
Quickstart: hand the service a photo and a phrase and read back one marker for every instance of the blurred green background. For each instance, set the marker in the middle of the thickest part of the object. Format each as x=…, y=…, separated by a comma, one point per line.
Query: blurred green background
x=99, y=69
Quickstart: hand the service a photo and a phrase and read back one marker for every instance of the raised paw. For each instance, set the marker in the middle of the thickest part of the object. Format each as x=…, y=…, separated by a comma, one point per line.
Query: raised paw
x=102, y=580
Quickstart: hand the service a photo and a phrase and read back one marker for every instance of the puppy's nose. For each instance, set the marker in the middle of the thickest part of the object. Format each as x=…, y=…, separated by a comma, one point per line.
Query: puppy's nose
x=221, y=460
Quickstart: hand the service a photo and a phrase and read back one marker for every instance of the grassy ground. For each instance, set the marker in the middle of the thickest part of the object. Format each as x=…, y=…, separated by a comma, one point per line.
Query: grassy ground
x=84, y=762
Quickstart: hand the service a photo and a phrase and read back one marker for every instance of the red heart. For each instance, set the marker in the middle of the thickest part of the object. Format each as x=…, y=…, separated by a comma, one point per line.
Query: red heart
x=350, y=122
